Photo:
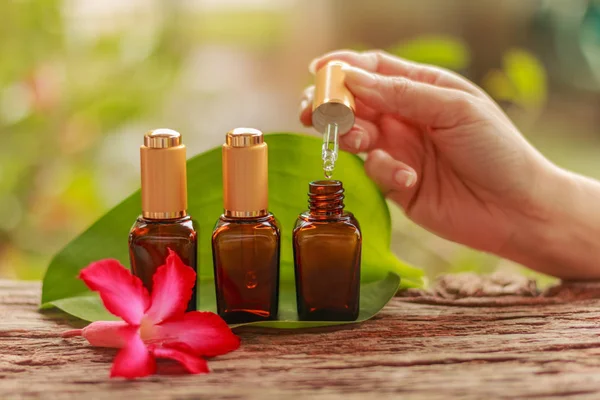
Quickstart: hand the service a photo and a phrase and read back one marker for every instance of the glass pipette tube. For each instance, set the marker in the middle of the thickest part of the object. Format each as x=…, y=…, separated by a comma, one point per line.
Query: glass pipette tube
x=329, y=151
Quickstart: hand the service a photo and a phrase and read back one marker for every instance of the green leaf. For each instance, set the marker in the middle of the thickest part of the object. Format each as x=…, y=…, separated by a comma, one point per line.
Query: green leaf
x=294, y=160
x=88, y=307
x=374, y=296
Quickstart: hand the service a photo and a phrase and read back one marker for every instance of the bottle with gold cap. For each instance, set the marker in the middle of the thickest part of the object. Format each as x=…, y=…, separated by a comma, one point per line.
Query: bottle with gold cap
x=333, y=111
x=164, y=224
x=246, y=239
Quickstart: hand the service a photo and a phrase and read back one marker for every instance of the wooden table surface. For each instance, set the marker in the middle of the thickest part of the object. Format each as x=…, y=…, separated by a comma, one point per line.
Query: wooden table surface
x=525, y=346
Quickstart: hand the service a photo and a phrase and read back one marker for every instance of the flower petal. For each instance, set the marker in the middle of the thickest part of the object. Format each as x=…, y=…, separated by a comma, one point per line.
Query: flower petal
x=202, y=333
x=193, y=364
x=101, y=333
x=172, y=289
x=123, y=294
x=134, y=360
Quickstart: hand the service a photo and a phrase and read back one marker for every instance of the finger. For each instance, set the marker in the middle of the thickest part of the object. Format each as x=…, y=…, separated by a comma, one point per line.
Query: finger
x=364, y=111
x=386, y=64
x=402, y=140
x=363, y=135
x=306, y=106
x=425, y=104
x=393, y=177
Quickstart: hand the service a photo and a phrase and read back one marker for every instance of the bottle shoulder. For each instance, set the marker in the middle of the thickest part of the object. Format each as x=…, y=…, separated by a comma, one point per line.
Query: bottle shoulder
x=182, y=227
x=345, y=225
x=264, y=224
x=347, y=219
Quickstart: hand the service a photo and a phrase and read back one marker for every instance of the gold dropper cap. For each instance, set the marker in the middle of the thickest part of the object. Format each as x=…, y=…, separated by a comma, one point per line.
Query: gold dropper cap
x=333, y=103
x=164, y=183
x=245, y=174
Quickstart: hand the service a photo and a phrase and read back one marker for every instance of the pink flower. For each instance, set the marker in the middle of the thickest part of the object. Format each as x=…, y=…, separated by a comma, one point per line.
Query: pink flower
x=156, y=326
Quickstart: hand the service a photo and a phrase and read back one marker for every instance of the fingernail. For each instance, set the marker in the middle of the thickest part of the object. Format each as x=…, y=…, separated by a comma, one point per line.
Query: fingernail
x=378, y=153
x=359, y=76
x=405, y=178
x=358, y=140
x=312, y=67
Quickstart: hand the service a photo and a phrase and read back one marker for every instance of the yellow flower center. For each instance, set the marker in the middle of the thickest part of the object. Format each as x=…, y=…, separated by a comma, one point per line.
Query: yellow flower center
x=146, y=329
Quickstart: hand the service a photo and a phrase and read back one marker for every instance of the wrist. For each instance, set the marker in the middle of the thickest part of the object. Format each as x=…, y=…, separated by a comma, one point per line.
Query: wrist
x=557, y=234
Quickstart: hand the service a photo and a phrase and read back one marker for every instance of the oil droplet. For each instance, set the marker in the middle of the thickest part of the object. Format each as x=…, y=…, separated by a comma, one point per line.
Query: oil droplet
x=328, y=163
x=251, y=280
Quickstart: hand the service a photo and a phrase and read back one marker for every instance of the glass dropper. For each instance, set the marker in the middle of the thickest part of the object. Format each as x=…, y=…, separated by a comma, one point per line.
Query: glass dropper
x=329, y=151
x=333, y=111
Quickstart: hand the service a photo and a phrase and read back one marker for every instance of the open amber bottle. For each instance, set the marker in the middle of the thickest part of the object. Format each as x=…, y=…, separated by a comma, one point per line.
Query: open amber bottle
x=246, y=239
x=327, y=249
x=164, y=223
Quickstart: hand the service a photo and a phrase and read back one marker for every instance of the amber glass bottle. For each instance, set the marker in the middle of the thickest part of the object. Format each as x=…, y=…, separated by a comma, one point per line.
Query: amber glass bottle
x=327, y=247
x=164, y=223
x=246, y=239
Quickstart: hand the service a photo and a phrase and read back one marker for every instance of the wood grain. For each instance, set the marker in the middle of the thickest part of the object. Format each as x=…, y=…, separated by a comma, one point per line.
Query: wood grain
x=521, y=349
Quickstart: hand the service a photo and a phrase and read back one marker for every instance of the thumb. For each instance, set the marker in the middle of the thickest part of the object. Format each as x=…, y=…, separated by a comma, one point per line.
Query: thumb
x=434, y=106
x=394, y=178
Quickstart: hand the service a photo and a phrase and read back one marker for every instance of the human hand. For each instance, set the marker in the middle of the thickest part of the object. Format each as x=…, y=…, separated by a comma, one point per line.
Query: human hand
x=442, y=149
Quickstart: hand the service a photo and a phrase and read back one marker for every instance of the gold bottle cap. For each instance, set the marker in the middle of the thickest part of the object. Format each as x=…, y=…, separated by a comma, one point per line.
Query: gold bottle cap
x=245, y=173
x=333, y=103
x=162, y=138
x=244, y=137
x=164, y=182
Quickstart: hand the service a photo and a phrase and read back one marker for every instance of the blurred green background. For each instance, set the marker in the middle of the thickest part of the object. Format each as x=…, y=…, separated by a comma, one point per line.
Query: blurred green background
x=82, y=80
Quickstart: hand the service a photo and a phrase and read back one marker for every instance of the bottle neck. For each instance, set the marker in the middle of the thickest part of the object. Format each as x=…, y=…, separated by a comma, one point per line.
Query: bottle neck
x=326, y=199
